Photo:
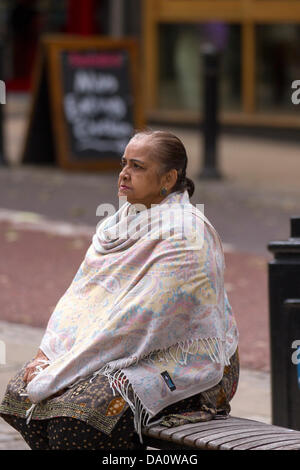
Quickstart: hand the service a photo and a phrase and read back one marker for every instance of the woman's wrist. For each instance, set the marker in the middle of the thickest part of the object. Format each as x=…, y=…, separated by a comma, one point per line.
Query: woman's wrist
x=41, y=355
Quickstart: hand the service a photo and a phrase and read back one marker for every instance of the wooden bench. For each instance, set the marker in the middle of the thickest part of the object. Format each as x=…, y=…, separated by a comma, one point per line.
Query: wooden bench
x=224, y=434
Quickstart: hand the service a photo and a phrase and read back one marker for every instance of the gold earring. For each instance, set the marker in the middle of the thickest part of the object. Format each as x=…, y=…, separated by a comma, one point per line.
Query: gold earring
x=163, y=191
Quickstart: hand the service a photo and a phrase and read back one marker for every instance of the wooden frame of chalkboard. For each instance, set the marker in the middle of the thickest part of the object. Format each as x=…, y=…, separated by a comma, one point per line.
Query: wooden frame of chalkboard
x=58, y=113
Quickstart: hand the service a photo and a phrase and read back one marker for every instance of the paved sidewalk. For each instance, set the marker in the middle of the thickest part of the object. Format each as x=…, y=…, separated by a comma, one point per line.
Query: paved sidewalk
x=252, y=399
x=21, y=345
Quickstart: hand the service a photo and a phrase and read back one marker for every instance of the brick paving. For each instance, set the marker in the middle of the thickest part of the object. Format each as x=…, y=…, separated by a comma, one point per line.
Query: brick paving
x=10, y=439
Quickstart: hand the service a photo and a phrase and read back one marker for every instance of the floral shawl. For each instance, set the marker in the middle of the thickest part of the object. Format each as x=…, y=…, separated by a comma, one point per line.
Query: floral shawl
x=147, y=309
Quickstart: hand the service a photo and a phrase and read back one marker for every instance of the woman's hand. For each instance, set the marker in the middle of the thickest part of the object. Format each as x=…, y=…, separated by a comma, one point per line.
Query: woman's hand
x=32, y=367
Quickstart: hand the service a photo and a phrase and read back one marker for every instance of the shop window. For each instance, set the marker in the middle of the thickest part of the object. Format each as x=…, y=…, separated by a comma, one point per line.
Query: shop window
x=180, y=65
x=21, y=24
x=277, y=66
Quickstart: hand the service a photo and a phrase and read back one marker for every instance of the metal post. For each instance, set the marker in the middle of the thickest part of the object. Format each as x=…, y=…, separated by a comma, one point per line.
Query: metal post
x=284, y=322
x=211, y=60
x=2, y=158
x=291, y=349
x=116, y=18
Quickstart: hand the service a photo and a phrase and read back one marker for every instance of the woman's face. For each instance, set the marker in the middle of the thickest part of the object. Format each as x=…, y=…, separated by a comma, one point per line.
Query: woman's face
x=139, y=179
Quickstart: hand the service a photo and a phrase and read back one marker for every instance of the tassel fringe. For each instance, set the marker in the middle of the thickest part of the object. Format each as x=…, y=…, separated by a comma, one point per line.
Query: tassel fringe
x=214, y=347
x=179, y=353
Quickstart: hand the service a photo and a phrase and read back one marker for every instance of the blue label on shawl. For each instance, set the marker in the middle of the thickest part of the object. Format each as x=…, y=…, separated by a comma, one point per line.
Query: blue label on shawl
x=165, y=375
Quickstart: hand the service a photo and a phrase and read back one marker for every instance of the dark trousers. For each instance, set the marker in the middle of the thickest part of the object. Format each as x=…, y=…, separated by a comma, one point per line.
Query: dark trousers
x=65, y=433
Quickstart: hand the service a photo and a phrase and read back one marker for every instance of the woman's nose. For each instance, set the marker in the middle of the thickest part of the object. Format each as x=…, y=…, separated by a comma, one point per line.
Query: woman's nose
x=124, y=172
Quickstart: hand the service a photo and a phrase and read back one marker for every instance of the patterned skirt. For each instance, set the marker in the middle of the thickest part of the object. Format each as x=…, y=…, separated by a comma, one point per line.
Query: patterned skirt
x=95, y=404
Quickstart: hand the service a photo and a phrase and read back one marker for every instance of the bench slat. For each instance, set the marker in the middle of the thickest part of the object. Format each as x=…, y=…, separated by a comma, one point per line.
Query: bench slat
x=231, y=439
x=158, y=431
x=289, y=447
x=251, y=441
x=219, y=434
x=197, y=432
x=276, y=444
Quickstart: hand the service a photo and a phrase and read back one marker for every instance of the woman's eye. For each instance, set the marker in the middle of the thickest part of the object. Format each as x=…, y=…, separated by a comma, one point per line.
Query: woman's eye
x=135, y=165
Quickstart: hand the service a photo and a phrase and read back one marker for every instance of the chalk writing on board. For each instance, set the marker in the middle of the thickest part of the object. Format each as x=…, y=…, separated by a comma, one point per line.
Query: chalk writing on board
x=97, y=102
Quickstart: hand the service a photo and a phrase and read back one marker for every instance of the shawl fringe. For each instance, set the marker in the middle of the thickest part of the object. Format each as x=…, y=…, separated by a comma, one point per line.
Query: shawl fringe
x=118, y=381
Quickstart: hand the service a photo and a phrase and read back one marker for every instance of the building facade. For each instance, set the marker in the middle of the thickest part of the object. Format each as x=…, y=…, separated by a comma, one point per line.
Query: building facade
x=258, y=42
x=259, y=45
x=22, y=22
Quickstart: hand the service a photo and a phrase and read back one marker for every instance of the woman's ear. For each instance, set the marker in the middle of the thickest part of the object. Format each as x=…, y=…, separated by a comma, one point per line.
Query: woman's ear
x=172, y=177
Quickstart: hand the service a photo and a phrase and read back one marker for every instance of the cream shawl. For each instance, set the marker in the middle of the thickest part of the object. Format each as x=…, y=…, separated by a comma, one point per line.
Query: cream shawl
x=147, y=308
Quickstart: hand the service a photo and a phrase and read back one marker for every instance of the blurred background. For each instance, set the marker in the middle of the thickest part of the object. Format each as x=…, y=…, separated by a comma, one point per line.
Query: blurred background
x=259, y=45
x=47, y=214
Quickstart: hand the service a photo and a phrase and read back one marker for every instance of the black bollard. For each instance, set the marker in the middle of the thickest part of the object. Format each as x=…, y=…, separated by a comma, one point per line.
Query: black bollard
x=284, y=322
x=211, y=63
x=2, y=159
x=2, y=91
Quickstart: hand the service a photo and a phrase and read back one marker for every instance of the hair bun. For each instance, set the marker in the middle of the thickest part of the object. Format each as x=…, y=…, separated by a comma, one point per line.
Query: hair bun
x=190, y=186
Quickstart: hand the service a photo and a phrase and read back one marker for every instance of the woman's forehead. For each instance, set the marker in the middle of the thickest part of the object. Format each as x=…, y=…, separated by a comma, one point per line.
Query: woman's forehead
x=141, y=149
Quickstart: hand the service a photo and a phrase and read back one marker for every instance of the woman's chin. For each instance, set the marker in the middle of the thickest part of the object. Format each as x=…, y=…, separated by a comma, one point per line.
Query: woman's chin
x=124, y=194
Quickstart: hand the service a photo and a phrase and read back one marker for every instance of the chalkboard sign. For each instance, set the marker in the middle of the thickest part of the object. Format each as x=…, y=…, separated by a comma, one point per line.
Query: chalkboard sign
x=86, y=102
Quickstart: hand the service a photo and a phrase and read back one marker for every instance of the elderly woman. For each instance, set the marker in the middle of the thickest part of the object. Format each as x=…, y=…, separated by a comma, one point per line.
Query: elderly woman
x=145, y=332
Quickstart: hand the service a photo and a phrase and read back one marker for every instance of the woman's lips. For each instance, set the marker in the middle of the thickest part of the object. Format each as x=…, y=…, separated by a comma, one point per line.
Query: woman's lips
x=124, y=187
